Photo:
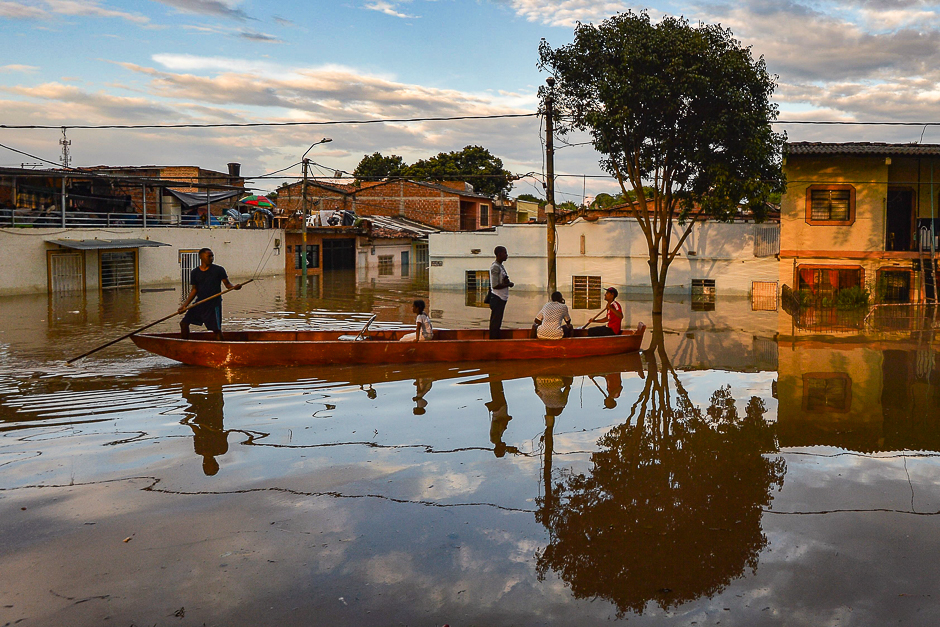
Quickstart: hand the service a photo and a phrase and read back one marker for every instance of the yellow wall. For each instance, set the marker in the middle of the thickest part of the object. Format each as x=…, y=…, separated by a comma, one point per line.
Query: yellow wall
x=869, y=176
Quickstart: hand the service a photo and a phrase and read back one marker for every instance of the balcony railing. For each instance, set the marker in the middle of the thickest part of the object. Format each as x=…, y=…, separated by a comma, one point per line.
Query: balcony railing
x=78, y=220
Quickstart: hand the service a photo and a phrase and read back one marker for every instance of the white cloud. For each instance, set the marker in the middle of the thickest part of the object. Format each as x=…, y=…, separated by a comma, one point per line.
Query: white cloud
x=566, y=12
x=208, y=7
x=48, y=8
x=17, y=67
x=388, y=9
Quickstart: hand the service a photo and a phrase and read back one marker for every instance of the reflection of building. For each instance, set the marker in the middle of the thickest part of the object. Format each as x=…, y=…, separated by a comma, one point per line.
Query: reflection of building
x=864, y=397
x=852, y=217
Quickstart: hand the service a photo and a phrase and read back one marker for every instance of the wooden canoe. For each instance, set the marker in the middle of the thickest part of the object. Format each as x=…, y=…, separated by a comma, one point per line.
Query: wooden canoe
x=309, y=348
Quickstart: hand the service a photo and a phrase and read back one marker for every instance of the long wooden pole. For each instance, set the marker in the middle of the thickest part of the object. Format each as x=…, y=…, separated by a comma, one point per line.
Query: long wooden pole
x=175, y=313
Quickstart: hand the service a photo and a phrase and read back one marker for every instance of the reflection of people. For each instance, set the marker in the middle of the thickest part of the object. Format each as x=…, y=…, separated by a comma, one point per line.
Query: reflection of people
x=422, y=387
x=614, y=388
x=499, y=286
x=553, y=390
x=206, y=280
x=423, y=329
x=553, y=322
x=613, y=316
x=499, y=419
x=210, y=439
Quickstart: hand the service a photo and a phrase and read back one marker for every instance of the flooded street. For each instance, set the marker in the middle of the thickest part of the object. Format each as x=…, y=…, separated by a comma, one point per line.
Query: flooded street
x=722, y=478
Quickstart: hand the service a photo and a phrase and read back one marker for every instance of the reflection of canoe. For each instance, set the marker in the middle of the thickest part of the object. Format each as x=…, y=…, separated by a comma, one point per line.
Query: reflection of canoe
x=305, y=348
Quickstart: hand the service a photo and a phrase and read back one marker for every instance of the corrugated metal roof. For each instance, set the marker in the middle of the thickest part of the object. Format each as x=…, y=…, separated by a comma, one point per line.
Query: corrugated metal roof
x=104, y=244
x=862, y=148
x=407, y=228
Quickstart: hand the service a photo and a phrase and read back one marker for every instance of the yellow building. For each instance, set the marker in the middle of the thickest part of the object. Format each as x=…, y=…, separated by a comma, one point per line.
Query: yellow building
x=859, y=215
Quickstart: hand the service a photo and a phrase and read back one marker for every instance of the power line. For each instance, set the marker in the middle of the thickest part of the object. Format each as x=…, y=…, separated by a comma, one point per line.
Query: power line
x=257, y=124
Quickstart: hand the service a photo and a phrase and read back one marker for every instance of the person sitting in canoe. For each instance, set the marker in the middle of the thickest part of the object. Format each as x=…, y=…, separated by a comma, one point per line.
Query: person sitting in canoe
x=613, y=316
x=553, y=322
x=423, y=329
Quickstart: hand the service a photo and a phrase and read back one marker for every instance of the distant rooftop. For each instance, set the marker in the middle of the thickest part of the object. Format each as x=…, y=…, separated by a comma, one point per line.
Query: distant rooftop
x=862, y=148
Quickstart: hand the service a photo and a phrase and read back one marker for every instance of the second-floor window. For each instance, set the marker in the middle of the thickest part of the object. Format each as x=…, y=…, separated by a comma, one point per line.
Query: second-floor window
x=484, y=215
x=832, y=205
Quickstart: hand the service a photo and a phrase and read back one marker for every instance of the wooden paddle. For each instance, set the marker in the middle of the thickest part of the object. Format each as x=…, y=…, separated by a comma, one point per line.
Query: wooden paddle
x=593, y=319
x=175, y=313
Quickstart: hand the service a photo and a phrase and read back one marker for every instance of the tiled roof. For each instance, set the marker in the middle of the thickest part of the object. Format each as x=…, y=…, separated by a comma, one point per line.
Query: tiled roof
x=862, y=148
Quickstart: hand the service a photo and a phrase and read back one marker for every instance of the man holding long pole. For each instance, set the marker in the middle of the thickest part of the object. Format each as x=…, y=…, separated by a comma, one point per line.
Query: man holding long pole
x=206, y=281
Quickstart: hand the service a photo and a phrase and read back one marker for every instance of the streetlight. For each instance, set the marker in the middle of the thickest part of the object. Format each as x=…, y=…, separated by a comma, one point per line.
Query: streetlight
x=303, y=228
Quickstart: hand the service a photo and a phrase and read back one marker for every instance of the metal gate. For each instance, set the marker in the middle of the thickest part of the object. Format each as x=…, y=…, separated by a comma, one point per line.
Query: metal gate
x=189, y=259
x=66, y=271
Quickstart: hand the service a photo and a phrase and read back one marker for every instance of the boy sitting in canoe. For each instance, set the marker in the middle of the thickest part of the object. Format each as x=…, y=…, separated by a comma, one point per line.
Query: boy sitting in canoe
x=423, y=329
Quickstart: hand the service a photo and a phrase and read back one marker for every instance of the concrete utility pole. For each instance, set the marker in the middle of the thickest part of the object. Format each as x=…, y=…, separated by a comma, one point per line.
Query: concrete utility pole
x=550, y=184
x=303, y=227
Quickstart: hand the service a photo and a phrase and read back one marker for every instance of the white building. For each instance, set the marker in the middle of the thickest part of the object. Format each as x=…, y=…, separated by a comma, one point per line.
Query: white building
x=736, y=259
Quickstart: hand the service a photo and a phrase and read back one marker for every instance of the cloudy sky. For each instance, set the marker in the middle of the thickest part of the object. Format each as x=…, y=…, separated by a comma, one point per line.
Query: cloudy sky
x=68, y=62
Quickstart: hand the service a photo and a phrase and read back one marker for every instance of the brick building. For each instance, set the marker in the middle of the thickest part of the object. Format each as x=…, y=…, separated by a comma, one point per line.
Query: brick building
x=449, y=206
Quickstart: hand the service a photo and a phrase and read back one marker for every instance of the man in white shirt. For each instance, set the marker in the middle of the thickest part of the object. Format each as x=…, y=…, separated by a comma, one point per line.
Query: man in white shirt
x=499, y=286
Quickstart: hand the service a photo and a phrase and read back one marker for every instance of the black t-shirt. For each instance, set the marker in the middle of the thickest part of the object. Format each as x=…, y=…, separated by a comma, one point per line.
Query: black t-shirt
x=208, y=283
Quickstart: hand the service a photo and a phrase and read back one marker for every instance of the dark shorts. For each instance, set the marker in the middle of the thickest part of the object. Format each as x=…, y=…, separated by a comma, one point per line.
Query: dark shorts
x=210, y=317
x=600, y=331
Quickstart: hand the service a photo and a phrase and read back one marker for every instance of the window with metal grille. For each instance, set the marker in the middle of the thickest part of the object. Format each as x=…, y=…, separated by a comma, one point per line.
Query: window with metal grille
x=703, y=294
x=484, y=215
x=313, y=256
x=421, y=253
x=830, y=204
x=763, y=296
x=478, y=284
x=478, y=281
x=586, y=292
x=405, y=263
x=118, y=269
x=386, y=264
x=896, y=285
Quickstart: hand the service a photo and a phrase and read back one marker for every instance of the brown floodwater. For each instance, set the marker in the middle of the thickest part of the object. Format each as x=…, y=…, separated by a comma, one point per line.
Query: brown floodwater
x=723, y=478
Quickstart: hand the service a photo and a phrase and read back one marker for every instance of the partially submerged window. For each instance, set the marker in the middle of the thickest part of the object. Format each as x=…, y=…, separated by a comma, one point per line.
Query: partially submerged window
x=118, y=269
x=386, y=264
x=763, y=296
x=478, y=284
x=189, y=259
x=313, y=256
x=703, y=294
x=895, y=286
x=586, y=292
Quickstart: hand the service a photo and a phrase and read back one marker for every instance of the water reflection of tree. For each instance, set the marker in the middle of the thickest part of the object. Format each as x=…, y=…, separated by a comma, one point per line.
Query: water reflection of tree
x=671, y=510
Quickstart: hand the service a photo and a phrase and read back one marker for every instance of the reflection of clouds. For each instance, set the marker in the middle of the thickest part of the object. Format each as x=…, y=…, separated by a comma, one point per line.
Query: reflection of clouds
x=391, y=568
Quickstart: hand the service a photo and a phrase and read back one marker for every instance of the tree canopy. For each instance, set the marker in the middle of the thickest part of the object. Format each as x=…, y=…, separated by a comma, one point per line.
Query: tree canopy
x=682, y=116
x=474, y=165
x=377, y=166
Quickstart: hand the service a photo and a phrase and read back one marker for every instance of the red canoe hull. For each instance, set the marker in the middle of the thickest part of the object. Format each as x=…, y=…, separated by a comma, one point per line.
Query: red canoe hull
x=308, y=348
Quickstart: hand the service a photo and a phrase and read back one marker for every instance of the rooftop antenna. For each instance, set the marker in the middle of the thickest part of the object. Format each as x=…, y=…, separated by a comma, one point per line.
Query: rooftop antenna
x=65, y=142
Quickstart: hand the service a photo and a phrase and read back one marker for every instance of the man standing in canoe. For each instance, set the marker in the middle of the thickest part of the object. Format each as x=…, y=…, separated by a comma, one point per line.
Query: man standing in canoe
x=499, y=288
x=206, y=281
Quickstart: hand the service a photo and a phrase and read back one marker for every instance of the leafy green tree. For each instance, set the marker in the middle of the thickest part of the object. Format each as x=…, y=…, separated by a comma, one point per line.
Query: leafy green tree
x=684, y=110
x=474, y=164
x=532, y=198
x=377, y=166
